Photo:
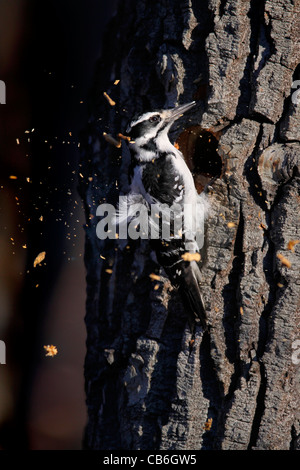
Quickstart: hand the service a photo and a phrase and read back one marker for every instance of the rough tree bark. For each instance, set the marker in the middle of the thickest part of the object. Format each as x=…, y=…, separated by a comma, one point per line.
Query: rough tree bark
x=236, y=387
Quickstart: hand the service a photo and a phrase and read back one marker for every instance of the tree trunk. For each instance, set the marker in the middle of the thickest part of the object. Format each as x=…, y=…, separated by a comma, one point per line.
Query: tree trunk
x=237, y=386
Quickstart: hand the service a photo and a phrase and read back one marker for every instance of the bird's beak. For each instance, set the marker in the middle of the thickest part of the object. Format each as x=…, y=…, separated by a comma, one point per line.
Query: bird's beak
x=175, y=113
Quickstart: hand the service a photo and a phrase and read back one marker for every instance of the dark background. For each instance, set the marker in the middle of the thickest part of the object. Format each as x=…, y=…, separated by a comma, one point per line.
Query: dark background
x=48, y=51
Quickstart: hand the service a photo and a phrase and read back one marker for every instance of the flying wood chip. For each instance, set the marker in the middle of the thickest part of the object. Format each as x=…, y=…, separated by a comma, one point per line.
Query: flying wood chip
x=111, y=102
x=124, y=137
x=40, y=257
x=284, y=260
x=110, y=139
x=50, y=350
x=191, y=256
x=154, y=277
x=207, y=426
x=291, y=244
x=231, y=224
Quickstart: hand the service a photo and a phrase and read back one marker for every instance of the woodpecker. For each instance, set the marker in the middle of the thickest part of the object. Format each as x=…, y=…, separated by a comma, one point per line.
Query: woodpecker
x=159, y=175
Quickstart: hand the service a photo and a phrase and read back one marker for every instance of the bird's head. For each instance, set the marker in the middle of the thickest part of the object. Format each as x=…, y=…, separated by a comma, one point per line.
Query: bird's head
x=149, y=131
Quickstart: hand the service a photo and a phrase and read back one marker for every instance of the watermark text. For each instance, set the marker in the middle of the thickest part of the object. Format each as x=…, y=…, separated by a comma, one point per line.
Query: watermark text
x=153, y=221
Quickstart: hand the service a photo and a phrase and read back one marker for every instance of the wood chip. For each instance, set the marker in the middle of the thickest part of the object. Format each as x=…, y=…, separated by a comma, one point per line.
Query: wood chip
x=154, y=277
x=40, y=257
x=208, y=424
x=110, y=101
x=291, y=244
x=50, y=350
x=124, y=137
x=284, y=260
x=191, y=257
x=111, y=140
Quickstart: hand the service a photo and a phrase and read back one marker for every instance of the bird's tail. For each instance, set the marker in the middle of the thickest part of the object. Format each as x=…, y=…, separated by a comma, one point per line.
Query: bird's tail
x=191, y=293
x=185, y=275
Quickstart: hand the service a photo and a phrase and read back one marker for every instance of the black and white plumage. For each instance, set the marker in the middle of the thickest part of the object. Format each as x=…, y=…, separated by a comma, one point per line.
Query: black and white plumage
x=159, y=175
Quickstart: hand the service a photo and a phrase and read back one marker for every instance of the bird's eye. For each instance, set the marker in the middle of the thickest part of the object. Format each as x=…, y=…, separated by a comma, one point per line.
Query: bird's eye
x=155, y=118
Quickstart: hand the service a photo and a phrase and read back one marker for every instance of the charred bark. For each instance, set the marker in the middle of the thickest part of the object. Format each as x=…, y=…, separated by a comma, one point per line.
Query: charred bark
x=236, y=387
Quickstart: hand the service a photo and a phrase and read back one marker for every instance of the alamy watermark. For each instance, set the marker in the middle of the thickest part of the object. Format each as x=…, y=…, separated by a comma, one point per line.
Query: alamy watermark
x=153, y=221
x=2, y=92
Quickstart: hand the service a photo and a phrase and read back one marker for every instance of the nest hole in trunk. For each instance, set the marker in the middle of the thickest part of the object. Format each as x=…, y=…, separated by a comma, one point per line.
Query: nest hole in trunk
x=200, y=150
